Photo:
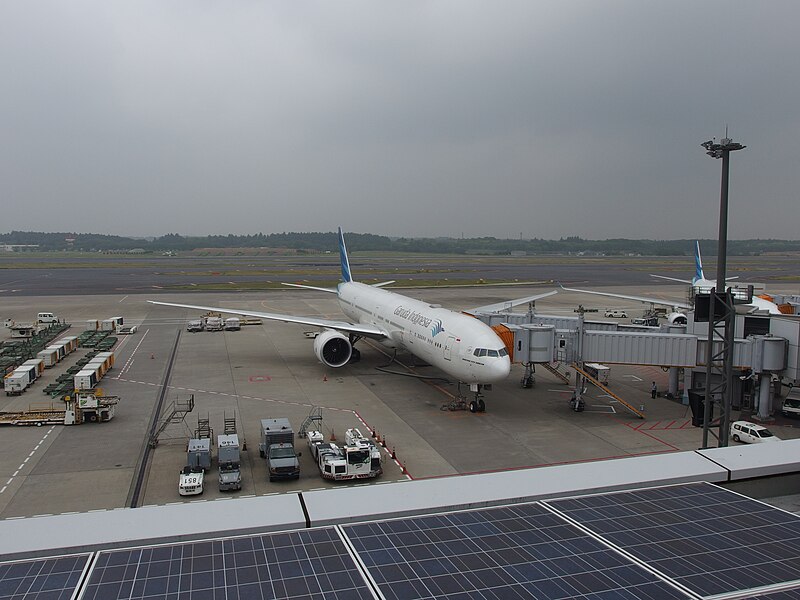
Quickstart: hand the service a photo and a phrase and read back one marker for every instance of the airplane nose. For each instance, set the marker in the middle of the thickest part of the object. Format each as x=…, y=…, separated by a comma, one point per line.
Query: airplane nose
x=501, y=368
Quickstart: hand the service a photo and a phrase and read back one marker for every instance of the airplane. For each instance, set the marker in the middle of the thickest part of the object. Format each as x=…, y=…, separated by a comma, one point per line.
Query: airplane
x=699, y=285
x=458, y=344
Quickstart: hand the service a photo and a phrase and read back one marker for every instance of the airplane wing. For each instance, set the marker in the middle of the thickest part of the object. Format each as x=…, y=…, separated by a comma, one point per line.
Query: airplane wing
x=658, y=301
x=357, y=328
x=509, y=304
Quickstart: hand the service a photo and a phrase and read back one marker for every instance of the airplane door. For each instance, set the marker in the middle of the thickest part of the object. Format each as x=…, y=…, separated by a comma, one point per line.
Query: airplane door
x=448, y=347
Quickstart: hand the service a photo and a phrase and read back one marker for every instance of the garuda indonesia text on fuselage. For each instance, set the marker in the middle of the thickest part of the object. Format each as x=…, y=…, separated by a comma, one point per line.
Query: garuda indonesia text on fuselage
x=461, y=346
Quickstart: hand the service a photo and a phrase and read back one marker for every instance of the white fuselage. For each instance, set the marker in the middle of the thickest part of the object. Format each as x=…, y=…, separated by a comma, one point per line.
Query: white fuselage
x=458, y=344
x=704, y=286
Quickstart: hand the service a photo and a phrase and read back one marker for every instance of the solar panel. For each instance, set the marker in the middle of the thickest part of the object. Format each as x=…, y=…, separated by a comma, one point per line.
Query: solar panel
x=520, y=551
x=707, y=538
x=311, y=563
x=48, y=579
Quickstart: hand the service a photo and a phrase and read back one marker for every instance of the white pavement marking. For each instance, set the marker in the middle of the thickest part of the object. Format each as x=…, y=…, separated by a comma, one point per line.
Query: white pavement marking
x=49, y=431
x=634, y=377
x=128, y=362
x=123, y=298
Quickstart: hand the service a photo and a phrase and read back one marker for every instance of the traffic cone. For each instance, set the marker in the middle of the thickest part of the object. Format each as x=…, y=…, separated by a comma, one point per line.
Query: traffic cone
x=333, y=436
x=152, y=356
x=324, y=378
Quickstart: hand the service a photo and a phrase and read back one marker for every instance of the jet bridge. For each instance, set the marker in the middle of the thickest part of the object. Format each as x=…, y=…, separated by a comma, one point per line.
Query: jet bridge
x=768, y=348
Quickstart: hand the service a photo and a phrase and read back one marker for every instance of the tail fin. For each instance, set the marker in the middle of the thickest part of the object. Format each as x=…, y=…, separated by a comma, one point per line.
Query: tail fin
x=346, y=276
x=698, y=264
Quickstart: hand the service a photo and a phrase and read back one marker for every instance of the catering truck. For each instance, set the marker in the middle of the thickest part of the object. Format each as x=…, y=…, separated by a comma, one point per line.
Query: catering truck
x=277, y=446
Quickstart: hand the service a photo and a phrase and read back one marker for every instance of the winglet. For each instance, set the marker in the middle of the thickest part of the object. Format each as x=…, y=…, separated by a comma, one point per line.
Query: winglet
x=698, y=264
x=346, y=276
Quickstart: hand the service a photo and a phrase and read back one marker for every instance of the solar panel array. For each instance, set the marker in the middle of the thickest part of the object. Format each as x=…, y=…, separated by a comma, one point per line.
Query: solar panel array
x=516, y=552
x=709, y=539
x=312, y=563
x=686, y=541
x=48, y=579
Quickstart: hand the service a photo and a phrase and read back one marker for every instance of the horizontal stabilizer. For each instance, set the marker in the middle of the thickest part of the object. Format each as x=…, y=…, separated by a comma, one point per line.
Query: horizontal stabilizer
x=383, y=283
x=689, y=281
x=311, y=287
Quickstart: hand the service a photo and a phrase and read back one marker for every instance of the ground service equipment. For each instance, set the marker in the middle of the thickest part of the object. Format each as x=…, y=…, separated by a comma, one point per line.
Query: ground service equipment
x=194, y=325
x=230, y=474
x=233, y=324
x=190, y=481
x=359, y=458
x=198, y=454
x=214, y=323
x=277, y=446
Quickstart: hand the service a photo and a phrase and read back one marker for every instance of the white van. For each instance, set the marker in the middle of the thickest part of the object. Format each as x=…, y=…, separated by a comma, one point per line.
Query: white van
x=751, y=433
x=791, y=404
x=46, y=317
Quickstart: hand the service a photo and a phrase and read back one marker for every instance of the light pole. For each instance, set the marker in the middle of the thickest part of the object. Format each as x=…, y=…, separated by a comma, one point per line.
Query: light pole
x=722, y=150
x=720, y=321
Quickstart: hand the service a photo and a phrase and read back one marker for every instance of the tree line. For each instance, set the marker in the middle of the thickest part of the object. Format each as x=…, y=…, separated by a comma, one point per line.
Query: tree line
x=327, y=241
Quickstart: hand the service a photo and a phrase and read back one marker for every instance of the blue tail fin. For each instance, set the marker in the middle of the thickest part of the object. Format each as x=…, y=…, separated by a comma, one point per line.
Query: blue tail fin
x=698, y=265
x=346, y=276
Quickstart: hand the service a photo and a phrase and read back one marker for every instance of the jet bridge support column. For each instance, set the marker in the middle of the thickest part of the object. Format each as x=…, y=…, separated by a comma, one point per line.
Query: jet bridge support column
x=673, y=382
x=764, y=396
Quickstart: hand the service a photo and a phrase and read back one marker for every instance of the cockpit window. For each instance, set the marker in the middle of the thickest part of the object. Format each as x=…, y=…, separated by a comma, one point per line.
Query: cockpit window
x=503, y=352
x=493, y=353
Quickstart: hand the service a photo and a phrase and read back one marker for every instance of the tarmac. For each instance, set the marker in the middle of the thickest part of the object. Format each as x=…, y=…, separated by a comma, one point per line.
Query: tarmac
x=269, y=370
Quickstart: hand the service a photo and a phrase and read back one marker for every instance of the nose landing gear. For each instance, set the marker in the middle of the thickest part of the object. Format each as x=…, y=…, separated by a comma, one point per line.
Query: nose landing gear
x=477, y=405
x=460, y=401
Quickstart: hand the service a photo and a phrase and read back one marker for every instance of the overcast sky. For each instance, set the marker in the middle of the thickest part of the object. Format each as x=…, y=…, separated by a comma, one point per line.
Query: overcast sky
x=438, y=118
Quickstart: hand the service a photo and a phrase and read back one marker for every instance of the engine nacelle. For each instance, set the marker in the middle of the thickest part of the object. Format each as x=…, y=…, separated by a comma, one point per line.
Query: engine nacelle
x=333, y=348
x=676, y=318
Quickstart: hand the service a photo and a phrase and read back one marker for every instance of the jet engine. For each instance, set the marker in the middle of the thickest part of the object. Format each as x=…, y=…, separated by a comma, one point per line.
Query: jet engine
x=676, y=318
x=333, y=348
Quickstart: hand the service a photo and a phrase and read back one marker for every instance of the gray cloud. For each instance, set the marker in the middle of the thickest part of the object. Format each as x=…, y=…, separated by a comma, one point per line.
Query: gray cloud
x=544, y=119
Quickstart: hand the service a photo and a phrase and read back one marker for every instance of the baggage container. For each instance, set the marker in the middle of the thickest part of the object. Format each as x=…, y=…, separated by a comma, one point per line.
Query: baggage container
x=37, y=364
x=50, y=357
x=85, y=379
